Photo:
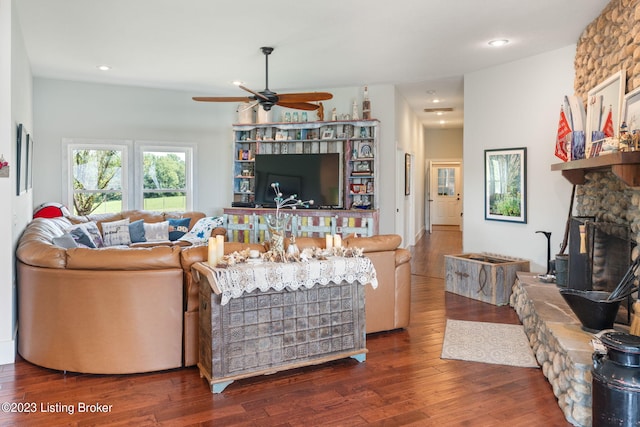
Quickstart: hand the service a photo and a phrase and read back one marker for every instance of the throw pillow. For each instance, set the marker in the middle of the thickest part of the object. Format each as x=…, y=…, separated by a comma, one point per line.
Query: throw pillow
x=65, y=241
x=89, y=234
x=136, y=231
x=201, y=231
x=81, y=237
x=116, y=232
x=178, y=228
x=93, y=230
x=156, y=231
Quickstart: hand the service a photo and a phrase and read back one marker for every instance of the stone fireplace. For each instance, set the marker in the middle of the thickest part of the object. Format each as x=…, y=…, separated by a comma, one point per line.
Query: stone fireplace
x=609, y=212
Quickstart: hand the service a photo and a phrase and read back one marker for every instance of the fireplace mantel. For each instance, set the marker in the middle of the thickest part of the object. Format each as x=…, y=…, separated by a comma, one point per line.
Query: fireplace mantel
x=625, y=165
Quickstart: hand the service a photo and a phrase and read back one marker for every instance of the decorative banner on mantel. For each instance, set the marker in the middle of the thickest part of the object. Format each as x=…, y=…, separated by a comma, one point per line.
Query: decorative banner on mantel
x=563, y=131
x=4, y=167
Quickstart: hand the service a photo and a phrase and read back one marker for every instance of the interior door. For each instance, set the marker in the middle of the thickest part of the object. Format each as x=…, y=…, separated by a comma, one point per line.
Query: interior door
x=446, y=193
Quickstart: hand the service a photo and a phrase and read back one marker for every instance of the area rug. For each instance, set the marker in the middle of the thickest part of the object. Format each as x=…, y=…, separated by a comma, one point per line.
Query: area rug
x=484, y=342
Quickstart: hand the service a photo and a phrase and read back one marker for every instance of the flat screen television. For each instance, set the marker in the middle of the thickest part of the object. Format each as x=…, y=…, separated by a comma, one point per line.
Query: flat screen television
x=314, y=177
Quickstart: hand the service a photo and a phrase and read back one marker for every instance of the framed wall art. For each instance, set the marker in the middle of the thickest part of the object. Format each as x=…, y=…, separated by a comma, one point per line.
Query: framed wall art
x=505, y=172
x=603, y=100
x=407, y=174
x=21, y=160
x=29, y=167
x=631, y=117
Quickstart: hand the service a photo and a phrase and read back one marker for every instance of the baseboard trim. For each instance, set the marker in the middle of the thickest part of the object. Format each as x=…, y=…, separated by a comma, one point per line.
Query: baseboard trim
x=8, y=350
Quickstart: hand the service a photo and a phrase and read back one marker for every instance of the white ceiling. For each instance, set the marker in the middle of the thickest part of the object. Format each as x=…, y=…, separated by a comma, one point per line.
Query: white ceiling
x=201, y=46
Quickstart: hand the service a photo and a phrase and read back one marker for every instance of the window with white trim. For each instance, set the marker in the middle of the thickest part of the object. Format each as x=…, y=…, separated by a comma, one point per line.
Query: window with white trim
x=166, y=179
x=100, y=179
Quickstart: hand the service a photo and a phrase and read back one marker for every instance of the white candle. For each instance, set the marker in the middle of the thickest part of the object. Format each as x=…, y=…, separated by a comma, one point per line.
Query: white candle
x=219, y=247
x=337, y=241
x=212, y=252
x=329, y=241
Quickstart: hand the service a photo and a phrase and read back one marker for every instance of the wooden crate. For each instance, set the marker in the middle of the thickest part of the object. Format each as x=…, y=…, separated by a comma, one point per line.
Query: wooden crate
x=483, y=277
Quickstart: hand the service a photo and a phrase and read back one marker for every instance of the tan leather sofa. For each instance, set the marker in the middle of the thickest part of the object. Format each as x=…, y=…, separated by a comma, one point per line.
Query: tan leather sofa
x=108, y=310
x=126, y=310
x=388, y=306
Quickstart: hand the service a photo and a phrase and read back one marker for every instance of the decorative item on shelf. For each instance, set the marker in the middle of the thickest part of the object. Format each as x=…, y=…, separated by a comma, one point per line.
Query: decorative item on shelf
x=4, y=167
x=277, y=223
x=354, y=111
x=370, y=187
x=295, y=117
x=363, y=132
x=244, y=155
x=304, y=116
x=287, y=117
x=348, y=130
x=320, y=112
x=561, y=138
x=366, y=105
x=365, y=150
x=245, y=113
x=334, y=114
x=327, y=134
x=625, y=138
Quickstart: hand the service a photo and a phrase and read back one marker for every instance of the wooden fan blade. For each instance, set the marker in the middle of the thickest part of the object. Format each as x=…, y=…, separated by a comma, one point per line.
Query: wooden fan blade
x=304, y=97
x=223, y=98
x=257, y=94
x=298, y=105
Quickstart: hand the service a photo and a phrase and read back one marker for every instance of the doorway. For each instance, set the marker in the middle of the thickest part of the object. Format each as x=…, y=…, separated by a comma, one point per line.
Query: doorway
x=445, y=193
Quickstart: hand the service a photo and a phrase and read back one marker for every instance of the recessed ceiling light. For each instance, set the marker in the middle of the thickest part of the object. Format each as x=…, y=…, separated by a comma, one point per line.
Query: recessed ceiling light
x=104, y=67
x=498, y=42
x=435, y=101
x=442, y=122
x=237, y=82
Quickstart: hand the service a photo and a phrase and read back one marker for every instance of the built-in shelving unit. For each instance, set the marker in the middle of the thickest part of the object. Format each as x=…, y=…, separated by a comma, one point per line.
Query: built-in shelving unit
x=355, y=140
x=625, y=165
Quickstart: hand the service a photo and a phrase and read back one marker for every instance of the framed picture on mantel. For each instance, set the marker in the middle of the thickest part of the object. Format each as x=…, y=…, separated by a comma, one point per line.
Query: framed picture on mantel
x=505, y=184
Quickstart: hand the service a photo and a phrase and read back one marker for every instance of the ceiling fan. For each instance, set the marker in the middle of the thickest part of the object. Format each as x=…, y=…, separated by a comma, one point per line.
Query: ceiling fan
x=267, y=98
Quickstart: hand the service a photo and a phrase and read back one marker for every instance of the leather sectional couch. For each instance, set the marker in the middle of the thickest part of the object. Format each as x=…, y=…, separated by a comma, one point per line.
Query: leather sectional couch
x=107, y=310
x=133, y=309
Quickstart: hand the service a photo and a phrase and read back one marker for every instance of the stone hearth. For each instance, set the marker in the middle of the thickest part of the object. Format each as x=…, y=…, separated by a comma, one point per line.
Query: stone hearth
x=562, y=348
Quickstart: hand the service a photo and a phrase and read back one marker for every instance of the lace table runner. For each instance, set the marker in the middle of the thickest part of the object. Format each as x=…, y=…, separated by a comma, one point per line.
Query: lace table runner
x=233, y=282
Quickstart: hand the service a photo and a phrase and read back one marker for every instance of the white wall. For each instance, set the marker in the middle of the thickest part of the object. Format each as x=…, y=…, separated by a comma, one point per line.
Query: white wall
x=15, y=211
x=410, y=139
x=508, y=106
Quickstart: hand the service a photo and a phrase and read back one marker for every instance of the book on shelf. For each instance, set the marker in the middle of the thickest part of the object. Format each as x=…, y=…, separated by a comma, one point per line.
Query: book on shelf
x=244, y=154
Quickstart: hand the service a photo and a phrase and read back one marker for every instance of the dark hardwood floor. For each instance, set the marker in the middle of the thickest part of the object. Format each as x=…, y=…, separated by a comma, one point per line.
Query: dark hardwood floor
x=402, y=383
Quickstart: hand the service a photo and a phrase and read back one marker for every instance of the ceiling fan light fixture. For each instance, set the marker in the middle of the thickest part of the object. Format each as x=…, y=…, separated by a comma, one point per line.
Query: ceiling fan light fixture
x=498, y=42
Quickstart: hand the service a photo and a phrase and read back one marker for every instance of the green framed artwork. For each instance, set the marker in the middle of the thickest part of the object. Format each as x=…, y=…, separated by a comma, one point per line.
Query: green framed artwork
x=505, y=184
